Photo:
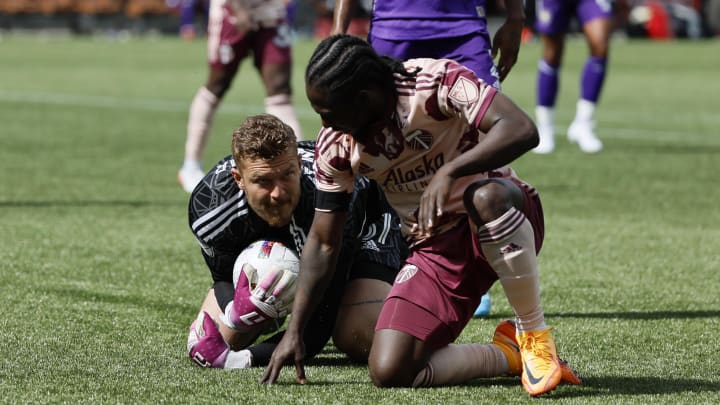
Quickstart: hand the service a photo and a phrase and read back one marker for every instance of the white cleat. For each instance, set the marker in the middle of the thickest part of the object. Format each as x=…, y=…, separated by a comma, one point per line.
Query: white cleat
x=547, y=140
x=583, y=134
x=189, y=177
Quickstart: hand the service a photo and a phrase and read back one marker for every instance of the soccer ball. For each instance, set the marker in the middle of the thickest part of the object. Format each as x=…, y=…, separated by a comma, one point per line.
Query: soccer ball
x=263, y=256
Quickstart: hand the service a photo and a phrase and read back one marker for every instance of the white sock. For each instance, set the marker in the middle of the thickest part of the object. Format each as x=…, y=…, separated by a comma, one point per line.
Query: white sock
x=584, y=111
x=509, y=246
x=202, y=111
x=281, y=106
x=192, y=165
x=544, y=116
x=455, y=364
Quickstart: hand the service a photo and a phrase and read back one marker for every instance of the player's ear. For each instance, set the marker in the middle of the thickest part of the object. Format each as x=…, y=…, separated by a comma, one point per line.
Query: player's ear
x=238, y=178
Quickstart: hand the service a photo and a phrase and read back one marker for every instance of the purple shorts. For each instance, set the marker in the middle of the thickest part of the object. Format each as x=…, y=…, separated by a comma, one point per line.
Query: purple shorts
x=553, y=16
x=471, y=51
x=227, y=47
x=440, y=286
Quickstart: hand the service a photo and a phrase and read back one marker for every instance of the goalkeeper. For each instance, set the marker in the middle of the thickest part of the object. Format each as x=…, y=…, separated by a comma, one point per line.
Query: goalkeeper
x=266, y=190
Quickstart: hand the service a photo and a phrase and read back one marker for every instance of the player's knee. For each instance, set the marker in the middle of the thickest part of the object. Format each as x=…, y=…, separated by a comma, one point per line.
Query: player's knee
x=276, y=80
x=277, y=85
x=599, y=49
x=353, y=336
x=219, y=84
x=353, y=344
x=388, y=369
x=386, y=373
x=488, y=200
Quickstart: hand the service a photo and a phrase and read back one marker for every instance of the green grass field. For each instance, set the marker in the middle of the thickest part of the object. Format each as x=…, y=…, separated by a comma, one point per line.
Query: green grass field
x=100, y=276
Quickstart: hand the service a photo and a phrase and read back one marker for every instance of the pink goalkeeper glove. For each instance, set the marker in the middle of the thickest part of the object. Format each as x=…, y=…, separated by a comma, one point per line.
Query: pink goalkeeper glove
x=269, y=300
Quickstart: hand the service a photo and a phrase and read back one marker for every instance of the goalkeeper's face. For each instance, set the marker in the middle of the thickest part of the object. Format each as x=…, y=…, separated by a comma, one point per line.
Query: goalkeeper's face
x=272, y=187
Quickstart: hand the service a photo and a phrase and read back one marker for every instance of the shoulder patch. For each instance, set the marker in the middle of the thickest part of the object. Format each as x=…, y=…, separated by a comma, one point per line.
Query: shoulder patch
x=464, y=91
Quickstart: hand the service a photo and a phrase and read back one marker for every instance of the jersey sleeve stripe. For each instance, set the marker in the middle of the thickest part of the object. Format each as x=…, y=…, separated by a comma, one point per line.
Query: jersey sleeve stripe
x=210, y=224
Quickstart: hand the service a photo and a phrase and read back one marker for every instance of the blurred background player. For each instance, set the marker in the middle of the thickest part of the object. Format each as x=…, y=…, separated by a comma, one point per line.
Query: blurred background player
x=237, y=28
x=457, y=30
x=266, y=190
x=438, y=140
x=552, y=23
x=188, y=13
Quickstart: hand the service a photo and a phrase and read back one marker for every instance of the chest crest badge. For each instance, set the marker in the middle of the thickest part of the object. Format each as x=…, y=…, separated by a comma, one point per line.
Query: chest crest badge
x=419, y=139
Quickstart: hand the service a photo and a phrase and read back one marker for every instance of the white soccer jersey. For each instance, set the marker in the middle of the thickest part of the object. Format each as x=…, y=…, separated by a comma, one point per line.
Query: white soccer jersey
x=435, y=120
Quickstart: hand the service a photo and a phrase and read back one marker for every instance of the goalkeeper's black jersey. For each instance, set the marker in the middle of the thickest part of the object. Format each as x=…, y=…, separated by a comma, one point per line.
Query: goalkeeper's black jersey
x=224, y=224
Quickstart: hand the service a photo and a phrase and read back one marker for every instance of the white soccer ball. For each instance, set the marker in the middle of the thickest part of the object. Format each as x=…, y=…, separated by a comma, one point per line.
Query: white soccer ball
x=263, y=256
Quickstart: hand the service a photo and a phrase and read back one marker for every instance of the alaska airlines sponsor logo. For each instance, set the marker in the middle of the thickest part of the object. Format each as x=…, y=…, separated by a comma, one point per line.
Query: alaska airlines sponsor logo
x=415, y=178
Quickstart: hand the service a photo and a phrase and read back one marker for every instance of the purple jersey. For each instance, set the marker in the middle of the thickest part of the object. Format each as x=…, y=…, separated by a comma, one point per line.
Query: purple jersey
x=435, y=29
x=471, y=51
x=413, y=20
x=553, y=16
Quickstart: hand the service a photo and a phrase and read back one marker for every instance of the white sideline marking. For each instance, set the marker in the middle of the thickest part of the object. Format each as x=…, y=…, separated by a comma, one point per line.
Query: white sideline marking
x=84, y=100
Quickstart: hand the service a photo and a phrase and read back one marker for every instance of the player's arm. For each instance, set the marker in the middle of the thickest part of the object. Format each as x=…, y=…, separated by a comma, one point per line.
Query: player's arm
x=509, y=133
x=317, y=267
x=507, y=37
x=342, y=14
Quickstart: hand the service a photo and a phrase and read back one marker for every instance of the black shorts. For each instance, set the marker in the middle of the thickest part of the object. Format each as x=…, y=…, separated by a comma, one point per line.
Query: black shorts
x=373, y=270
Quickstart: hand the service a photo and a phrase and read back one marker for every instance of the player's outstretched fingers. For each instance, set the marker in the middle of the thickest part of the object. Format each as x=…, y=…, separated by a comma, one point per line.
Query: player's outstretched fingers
x=267, y=283
x=284, y=293
x=300, y=372
x=271, y=373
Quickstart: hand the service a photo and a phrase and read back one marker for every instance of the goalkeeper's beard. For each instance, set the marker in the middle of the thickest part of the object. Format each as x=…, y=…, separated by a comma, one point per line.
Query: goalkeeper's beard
x=276, y=214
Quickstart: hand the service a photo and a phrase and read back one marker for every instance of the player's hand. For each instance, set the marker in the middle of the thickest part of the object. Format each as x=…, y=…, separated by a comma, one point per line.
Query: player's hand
x=432, y=202
x=270, y=299
x=274, y=293
x=290, y=349
x=507, y=41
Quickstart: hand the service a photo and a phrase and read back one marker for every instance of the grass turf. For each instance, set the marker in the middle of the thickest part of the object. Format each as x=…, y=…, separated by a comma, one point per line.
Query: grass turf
x=101, y=276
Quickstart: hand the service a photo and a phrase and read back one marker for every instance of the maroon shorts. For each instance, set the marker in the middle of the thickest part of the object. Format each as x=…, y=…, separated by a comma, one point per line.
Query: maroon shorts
x=227, y=47
x=437, y=291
